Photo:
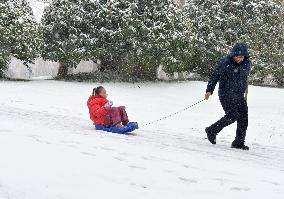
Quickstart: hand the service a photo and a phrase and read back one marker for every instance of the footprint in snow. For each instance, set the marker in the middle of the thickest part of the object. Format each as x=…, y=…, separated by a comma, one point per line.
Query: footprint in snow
x=271, y=182
x=89, y=154
x=188, y=180
x=141, y=185
x=38, y=139
x=4, y=131
x=69, y=142
x=227, y=173
x=107, y=149
x=126, y=154
x=240, y=188
x=72, y=146
x=145, y=158
x=221, y=180
x=120, y=159
x=43, y=141
x=190, y=167
x=168, y=171
x=137, y=167
x=33, y=136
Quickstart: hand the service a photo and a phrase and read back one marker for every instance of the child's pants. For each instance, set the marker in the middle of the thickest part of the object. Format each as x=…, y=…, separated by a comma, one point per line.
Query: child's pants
x=116, y=115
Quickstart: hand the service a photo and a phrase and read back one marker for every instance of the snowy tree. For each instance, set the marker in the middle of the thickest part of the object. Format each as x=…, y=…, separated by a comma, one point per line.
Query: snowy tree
x=158, y=31
x=19, y=34
x=217, y=25
x=130, y=36
x=103, y=21
x=135, y=36
x=63, y=31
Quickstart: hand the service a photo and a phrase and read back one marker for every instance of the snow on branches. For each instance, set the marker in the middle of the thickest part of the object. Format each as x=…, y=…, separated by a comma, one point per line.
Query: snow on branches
x=19, y=33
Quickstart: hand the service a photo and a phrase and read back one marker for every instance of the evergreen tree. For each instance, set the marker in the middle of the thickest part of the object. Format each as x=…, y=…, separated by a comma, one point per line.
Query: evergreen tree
x=135, y=36
x=158, y=31
x=217, y=25
x=63, y=32
x=129, y=36
x=19, y=35
x=104, y=23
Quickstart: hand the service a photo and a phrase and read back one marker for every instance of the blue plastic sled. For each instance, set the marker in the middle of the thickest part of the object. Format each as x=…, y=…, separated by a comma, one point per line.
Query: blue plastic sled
x=131, y=126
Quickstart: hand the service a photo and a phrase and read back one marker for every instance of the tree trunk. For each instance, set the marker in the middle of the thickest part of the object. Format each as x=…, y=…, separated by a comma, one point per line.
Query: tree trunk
x=145, y=73
x=107, y=65
x=62, y=71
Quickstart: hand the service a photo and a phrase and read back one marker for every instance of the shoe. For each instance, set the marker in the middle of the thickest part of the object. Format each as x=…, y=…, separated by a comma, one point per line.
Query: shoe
x=119, y=125
x=125, y=123
x=242, y=146
x=211, y=136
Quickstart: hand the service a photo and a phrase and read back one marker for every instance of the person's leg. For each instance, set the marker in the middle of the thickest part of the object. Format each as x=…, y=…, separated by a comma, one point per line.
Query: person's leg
x=115, y=116
x=231, y=114
x=108, y=120
x=124, y=116
x=242, y=123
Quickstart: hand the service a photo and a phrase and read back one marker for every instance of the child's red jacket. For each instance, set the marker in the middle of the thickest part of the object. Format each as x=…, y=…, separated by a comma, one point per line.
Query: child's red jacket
x=97, y=110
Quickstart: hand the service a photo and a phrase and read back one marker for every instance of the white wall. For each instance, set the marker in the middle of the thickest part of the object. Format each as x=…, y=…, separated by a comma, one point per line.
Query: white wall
x=85, y=67
x=41, y=68
x=47, y=69
x=162, y=75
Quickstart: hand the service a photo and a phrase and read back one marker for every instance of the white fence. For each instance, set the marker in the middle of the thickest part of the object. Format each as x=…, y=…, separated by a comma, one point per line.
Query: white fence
x=41, y=68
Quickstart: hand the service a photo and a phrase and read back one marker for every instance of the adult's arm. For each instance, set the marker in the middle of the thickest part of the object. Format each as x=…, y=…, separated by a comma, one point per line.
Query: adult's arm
x=249, y=69
x=215, y=77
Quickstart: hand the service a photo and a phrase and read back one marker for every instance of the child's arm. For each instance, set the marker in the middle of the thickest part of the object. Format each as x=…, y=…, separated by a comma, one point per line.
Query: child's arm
x=99, y=111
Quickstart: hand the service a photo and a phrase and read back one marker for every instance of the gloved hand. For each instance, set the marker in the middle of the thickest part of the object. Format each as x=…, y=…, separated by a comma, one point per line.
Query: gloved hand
x=108, y=104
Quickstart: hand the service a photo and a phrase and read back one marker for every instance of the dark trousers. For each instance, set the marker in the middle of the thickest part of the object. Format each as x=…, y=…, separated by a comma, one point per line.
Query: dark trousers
x=236, y=109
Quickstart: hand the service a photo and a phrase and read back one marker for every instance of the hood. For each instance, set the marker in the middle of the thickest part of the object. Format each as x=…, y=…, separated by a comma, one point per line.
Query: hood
x=239, y=49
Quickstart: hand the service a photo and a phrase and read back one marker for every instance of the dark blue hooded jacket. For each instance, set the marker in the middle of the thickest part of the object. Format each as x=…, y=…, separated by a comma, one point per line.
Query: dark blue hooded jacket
x=232, y=77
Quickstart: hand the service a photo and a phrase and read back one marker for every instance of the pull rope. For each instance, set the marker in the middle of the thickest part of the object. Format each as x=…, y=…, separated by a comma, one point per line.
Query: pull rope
x=163, y=118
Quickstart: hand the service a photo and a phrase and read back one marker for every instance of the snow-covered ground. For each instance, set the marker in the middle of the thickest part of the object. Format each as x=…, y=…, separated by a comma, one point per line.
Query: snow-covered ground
x=50, y=150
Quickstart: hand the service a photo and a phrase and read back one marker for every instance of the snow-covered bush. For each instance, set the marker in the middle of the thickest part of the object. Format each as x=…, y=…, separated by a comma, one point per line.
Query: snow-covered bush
x=19, y=35
x=217, y=25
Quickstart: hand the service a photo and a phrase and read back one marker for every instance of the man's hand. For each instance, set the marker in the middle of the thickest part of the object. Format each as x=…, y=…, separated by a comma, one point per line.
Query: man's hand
x=207, y=95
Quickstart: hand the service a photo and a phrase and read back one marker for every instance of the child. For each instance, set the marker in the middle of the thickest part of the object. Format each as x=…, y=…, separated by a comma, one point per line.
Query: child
x=102, y=112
